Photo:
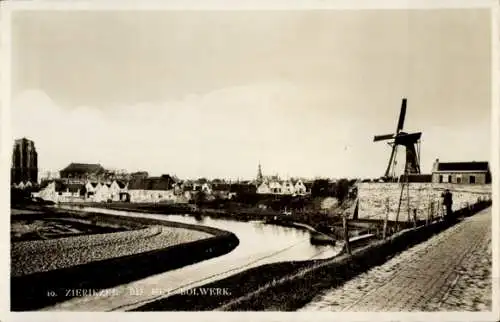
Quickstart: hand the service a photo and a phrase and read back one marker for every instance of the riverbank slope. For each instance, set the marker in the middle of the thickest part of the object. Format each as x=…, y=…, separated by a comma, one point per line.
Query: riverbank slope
x=43, y=270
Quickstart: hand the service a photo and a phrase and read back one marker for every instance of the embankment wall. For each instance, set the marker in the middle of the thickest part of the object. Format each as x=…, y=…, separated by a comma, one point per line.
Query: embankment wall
x=373, y=198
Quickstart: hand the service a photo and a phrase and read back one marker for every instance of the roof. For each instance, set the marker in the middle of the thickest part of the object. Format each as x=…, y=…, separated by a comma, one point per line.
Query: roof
x=121, y=184
x=463, y=166
x=221, y=187
x=59, y=186
x=137, y=184
x=416, y=178
x=73, y=187
x=243, y=188
x=168, y=177
x=153, y=183
x=45, y=183
x=83, y=168
x=159, y=183
x=140, y=174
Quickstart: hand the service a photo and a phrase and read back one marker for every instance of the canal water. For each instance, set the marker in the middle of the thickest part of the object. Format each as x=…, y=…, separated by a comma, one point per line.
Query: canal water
x=260, y=244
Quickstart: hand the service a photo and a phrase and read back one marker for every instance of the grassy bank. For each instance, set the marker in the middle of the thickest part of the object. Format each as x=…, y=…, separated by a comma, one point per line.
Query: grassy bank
x=37, y=290
x=289, y=286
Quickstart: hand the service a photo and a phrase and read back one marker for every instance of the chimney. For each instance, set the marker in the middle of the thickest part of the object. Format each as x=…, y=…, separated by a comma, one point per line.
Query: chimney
x=435, y=166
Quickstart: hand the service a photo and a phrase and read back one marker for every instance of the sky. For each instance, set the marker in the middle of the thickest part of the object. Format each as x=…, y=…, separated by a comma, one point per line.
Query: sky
x=213, y=93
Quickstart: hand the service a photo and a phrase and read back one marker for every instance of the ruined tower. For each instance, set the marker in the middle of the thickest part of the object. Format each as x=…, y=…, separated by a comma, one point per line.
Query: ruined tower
x=24, y=162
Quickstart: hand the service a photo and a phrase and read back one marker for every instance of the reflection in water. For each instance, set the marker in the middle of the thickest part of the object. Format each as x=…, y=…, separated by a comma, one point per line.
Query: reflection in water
x=254, y=236
x=259, y=244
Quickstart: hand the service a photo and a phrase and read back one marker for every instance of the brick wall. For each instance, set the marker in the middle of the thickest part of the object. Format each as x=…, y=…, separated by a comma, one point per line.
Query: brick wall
x=373, y=198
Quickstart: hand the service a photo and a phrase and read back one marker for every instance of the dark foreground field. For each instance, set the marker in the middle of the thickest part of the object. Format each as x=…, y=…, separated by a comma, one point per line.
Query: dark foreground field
x=27, y=227
x=43, y=288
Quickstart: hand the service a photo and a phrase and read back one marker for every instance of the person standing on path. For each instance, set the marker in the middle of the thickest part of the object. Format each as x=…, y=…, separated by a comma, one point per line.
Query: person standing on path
x=447, y=202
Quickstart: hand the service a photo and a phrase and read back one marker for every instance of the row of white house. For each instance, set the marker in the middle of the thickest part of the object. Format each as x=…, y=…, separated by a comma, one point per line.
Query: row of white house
x=58, y=191
x=283, y=187
x=158, y=191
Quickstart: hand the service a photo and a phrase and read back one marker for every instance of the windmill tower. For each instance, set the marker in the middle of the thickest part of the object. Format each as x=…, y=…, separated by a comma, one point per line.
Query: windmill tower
x=411, y=143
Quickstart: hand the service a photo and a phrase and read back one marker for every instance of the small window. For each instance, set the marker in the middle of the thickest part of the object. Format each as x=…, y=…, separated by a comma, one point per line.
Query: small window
x=440, y=178
x=459, y=179
x=472, y=179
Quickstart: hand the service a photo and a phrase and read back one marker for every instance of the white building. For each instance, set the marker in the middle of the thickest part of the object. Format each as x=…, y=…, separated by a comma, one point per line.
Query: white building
x=48, y=192
x=140, y=195
x=118, y=191
x=283, y=187
x=287, y=187
x=275, y=187
x=91, y=188
x=152, y=190
x=264, y=188
x=300, y=188
x=57, y=192
x=102, y=192
x=206, y=188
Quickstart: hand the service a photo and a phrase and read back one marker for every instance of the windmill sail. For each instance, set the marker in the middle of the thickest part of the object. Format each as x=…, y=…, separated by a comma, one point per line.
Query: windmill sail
x=391, y=160
x=408, y=140
x=383, y=137
x=402, y=115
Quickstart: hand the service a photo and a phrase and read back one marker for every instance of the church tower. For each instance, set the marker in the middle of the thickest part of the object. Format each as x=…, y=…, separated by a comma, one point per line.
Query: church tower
x=260, y=177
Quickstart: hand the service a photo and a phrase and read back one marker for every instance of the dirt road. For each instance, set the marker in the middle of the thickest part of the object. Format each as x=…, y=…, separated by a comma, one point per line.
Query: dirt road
x=449, y=272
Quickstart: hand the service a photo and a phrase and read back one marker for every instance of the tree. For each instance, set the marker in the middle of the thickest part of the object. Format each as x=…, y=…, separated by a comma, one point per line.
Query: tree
x=342, y=189
x=320, y=188
x=200, y=198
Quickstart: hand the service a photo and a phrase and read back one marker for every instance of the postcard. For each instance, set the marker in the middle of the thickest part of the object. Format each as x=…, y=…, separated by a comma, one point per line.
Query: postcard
x=254, y=160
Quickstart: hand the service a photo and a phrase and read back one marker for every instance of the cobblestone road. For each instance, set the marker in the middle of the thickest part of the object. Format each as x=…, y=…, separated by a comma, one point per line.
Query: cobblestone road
x=449, y=272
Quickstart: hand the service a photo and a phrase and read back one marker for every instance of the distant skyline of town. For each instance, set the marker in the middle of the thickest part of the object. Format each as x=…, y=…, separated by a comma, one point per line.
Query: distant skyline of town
x=54, y=173
x=200, y=94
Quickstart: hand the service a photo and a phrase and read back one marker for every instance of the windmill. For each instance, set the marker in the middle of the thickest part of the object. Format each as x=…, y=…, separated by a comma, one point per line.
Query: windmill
x=411, y=141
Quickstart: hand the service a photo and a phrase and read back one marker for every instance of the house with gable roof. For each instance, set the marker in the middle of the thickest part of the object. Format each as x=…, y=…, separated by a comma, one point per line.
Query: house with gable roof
x=91, y=188
x=152, y=189
x=118, y=191
x=264, y=188
x=82, y=172
x=102, y=193
x=300, y=187
x=461, y=172
x=287, y=187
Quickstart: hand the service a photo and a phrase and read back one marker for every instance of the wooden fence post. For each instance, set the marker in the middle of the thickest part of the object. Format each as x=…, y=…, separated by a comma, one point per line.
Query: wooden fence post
x=346, y=235
x=356, y=210
x=387, y=208
x=429, y=215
